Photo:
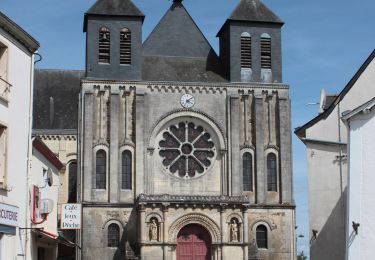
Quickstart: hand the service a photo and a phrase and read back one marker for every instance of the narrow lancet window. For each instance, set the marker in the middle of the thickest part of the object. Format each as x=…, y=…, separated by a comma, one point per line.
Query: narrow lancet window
x=104, y=45
x=126, y=170
x=125, y=47
x=113, y=235
x=262, y=237
x=271, y=172
x=247, y=169
x=101, y=169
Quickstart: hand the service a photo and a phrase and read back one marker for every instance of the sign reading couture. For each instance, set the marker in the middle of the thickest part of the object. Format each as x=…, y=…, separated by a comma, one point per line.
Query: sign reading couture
x=71, y=216
x=9, y=215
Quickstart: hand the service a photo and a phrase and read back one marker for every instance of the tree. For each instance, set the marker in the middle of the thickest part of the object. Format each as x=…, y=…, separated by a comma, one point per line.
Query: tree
x=301, y=256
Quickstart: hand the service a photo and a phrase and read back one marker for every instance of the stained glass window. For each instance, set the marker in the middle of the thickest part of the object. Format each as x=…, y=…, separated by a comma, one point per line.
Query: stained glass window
x=262, y=237
x=271, y=172
x=113, y=235
x=101, y=169
x=247, y=171
x=187, y=150
x=126, y=169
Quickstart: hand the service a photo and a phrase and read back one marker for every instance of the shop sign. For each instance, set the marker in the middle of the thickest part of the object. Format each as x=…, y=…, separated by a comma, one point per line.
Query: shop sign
x=71, y=216
x=9, y=215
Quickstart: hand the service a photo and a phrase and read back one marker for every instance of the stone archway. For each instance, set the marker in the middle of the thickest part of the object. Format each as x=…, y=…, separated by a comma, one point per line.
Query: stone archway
x=193, y=243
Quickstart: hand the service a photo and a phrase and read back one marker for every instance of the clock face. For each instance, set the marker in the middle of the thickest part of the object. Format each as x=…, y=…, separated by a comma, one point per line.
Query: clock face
x=187, y=101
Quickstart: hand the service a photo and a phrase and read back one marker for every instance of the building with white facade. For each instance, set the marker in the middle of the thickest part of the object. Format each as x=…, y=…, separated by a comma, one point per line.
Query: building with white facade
x=44, y=185
x=17, y=50
x=325, y=137
x=361, y=182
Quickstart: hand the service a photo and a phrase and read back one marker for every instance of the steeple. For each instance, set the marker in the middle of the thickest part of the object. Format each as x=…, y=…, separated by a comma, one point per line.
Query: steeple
x=250, y=43
x=114, y=40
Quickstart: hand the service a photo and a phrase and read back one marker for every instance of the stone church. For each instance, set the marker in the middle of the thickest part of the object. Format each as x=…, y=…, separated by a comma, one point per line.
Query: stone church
x=183, y=153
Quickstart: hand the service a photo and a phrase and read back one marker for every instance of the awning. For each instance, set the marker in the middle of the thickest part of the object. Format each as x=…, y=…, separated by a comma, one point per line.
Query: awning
x=45, y=234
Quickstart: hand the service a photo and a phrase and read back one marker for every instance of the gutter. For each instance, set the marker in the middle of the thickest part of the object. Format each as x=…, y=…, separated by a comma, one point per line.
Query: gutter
x=326, y=142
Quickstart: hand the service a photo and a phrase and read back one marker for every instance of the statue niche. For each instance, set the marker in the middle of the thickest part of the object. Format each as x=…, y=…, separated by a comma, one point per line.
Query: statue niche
x=234, y=230
x=154, y=230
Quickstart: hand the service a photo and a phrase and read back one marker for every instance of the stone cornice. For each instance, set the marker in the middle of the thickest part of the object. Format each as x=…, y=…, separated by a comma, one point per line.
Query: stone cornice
x=191, y=199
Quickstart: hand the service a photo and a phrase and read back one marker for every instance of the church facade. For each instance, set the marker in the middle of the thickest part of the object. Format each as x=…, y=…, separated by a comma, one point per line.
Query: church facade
x=183, y=153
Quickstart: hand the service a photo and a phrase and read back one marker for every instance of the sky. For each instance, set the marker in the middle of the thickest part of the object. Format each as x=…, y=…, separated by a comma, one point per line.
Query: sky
x=324, y=44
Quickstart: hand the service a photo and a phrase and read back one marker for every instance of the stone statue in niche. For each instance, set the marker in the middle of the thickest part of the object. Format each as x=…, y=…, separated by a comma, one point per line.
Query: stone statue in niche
x=153, y=230
x=234, y=231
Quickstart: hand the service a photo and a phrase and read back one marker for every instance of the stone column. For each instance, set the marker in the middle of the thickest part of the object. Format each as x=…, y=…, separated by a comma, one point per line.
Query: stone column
x=165, y=237
x=222, y=226
x=245, y=239
x=142, y=228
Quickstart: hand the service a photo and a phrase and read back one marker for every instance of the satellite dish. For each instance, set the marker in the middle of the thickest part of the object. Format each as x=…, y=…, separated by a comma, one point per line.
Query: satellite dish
x=49, y=177
x=46, y=206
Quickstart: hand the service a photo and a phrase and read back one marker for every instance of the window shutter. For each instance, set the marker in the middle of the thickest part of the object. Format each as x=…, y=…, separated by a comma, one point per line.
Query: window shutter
x=246, y=59
x=125, y=47
x=104, y=45
x=265, y=45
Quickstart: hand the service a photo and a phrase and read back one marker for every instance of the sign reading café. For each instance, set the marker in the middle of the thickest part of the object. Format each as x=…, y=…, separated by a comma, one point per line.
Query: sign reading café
x=71, y=216
x=9, y=215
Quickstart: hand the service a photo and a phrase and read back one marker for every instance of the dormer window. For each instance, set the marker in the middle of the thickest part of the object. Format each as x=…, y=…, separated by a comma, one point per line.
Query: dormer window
x=246, y=59
x=104, y=45
x=265, y=47
x=125, y=47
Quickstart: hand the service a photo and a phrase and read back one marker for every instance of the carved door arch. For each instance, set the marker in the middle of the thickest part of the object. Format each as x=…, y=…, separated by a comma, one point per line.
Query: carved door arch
x=193, y=243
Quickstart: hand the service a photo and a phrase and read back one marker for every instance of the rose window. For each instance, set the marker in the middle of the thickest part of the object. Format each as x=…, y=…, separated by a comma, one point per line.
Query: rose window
x=187, y=150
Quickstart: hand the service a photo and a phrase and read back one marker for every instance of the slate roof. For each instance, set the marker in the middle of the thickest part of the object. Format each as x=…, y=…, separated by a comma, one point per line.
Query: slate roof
x=177, y=50
x=254, y=11
x=64, y=87
x=113, y=8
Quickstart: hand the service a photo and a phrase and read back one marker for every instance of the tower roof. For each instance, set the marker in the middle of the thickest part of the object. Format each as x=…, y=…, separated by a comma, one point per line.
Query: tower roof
x=114, y=8
x=252, y=11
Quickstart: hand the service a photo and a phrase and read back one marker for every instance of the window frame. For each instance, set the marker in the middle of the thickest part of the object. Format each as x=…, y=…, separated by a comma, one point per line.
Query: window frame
x=272, y=175
x=4, y=144
x=113, y=240
x=123, y=173
x=105, y=167
x=246, y=62
x=123, y=49
x=69, y=181
x=252, y=173
x=263, y=239
x=103, y=30
x=266, y=60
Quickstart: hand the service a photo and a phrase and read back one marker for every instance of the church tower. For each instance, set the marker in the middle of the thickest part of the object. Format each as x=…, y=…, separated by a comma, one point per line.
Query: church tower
x=250, y=44
x=114, y=40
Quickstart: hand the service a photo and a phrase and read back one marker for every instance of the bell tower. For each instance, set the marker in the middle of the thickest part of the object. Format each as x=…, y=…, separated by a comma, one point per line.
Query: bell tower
x=250, y=44
x=114, y=40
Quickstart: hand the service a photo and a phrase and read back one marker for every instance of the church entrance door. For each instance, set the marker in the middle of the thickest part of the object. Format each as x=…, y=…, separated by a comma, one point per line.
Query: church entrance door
x=193, y=243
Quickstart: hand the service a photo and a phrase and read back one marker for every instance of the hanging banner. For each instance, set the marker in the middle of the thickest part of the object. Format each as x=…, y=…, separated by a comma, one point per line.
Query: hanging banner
x=71, y=216
x=9, y=215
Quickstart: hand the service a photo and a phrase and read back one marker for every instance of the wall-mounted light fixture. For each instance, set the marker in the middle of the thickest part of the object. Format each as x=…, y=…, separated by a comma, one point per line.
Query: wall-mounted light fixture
x=355, y=227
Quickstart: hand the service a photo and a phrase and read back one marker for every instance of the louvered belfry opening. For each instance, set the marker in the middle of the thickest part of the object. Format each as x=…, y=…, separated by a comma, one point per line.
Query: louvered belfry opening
x=125, y=47
x=104, y=45
x=246, y=59
x=265, y=45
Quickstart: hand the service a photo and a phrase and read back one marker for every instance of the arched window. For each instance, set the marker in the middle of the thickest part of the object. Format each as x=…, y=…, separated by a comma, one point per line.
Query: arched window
x=265, y=46
x=113, y=235
x=125, y=47
x=72, y=195
x=271, y=172
x=247, y=171
x=246, y=59
x=262, y=236
x=126, y=170
x=104, y=45
x=101, y=169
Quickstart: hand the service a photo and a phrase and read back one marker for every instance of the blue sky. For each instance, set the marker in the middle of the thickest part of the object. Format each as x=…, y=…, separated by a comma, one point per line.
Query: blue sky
x=324, y=43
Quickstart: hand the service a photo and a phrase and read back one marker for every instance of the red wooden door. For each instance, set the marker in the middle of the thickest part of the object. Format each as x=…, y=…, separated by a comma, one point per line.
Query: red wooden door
x=193, y=243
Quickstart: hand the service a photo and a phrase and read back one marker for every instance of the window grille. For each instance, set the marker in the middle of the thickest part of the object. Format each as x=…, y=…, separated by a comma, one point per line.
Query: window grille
x=125, y=47
x=126, y=170
x=113, y=235
x=101, y=169
x=247, y=169
x=246, y=59
x=262, y=236
x=265, y=46
x=271, y=172
x=72, y=195
x=104, y=45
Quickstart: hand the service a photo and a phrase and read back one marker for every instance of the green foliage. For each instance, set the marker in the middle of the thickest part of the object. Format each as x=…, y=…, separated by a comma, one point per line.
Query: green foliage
x=301, y=256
